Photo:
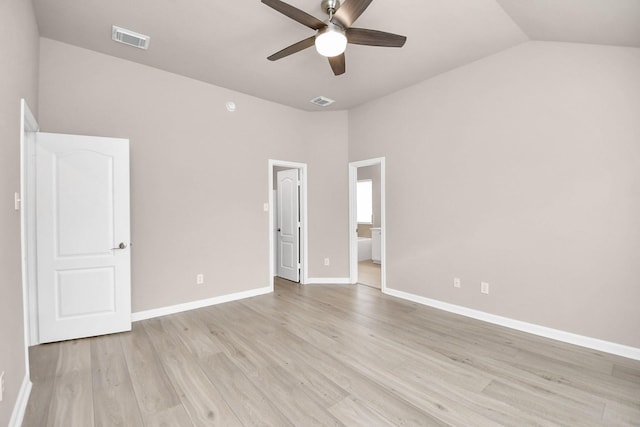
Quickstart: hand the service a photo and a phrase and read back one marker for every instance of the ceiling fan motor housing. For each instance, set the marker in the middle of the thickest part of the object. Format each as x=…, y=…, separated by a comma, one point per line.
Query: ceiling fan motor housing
x=330, y=6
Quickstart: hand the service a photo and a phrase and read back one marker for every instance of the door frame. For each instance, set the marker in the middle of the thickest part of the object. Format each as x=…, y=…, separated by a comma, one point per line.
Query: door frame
x=302, y=170
x=353, y=221
x=28, y=129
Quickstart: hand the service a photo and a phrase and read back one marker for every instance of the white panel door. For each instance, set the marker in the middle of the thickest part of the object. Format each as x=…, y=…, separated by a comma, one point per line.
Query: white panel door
x=288, y=225
x=82, y=217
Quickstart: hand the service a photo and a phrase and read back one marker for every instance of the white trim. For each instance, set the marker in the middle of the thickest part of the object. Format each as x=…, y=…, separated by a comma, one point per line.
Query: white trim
x=543, y=331
x=20, y=407
x=328, y=281
x=179, y=308
x=28, y=125
x=353, y=223
x=302, y=167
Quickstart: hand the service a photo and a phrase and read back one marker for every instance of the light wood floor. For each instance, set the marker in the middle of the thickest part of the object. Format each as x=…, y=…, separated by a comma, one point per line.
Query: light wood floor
x=327, y=355
x=369, y=274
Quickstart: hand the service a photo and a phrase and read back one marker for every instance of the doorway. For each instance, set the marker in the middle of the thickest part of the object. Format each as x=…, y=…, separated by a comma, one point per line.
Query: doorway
x=367, y=234
x=287, y=221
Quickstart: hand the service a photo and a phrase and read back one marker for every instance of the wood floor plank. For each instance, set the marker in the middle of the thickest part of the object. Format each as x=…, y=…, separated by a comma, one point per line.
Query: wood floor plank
x=170, y=417
x=250, y=405
x=627, y=373
x=153, y=390
x=295, y=401
x=235, y=337
x=113, y=395
x=72, y=396
x=328, y=355
x=606, y=386
x=43, y=359
x=203, y=402
x=302, y=371
x=616, y=414
x=352, y=412
x=550, y=406
x=378, y=399
x=503, y=369
x=423, y=387
x=193, y=334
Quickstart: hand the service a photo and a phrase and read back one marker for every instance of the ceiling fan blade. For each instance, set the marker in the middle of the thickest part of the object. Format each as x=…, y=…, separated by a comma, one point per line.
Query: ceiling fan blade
x=374, y=38
x=296, y=47
x=349, y=11
x=337, y=64
x=296, y=14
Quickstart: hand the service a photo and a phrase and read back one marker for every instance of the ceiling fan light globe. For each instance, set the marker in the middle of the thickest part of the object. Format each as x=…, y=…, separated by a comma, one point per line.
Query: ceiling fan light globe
x=331, y=42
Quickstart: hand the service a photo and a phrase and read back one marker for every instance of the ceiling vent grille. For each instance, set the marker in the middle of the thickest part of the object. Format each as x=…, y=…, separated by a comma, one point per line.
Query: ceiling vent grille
x=131, y=38
x=322, y=101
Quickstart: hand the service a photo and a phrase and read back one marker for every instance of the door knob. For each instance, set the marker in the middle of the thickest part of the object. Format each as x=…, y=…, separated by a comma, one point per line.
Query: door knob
x=120, y=246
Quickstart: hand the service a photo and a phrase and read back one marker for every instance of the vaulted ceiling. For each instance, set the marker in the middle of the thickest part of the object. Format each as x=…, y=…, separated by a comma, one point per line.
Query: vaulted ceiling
x=226, y=43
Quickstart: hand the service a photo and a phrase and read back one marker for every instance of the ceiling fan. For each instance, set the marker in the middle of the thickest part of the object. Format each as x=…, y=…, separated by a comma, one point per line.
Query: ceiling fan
x=332, y=35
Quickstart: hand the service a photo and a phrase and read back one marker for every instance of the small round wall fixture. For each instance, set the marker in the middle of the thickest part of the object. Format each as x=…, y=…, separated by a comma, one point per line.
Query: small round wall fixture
x=231, y=106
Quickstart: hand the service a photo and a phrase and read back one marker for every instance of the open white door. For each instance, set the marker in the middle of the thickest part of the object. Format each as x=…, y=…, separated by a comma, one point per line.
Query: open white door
x=288, y=225
x=83, y=255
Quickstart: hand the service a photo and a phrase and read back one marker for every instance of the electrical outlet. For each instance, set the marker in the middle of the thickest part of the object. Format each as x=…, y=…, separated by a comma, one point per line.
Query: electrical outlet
x=326, y=262
x=200, y=279
x=484, y=287
x=456, y=282
x=1, y=386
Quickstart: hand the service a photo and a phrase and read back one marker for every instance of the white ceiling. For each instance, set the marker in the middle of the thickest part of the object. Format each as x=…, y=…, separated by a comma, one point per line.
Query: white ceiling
x=226, y=43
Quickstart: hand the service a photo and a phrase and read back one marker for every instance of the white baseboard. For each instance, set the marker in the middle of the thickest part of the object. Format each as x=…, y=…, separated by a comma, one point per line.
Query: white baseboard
x=556, y=334
x=20, y=407
x=178, y=308
x=328, y=281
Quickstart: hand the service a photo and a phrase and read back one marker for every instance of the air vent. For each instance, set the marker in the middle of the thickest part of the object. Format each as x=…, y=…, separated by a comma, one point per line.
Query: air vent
x=322, y=101
x=130, y=37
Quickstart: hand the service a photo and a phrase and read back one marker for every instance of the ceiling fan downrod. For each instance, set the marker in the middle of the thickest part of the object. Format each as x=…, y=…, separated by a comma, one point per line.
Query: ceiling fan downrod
x=330, y=7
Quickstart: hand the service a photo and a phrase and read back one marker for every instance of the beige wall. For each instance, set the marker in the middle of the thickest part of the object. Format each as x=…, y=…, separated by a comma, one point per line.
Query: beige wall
x=18, y=79
x=198, y=173
x=328, y=188
x=522, y=169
